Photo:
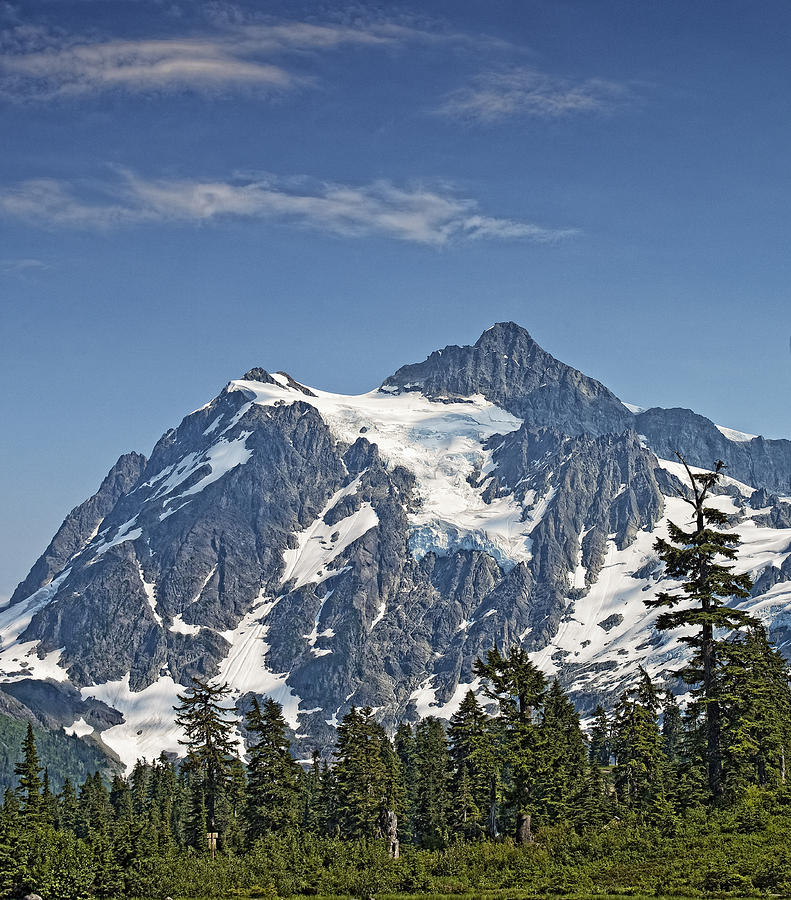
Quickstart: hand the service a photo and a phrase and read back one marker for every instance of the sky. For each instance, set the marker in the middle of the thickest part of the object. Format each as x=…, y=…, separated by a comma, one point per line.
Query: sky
x=190, y=189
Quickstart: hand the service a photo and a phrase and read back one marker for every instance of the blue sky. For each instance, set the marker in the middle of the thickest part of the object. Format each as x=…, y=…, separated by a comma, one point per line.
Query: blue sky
x=191, y=189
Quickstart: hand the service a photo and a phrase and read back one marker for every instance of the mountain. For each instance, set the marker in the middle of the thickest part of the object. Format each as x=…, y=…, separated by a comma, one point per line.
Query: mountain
x=333, y=550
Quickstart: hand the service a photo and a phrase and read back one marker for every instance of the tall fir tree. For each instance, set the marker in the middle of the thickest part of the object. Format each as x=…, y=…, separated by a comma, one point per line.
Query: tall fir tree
x=600, y=745
x=272, y=796
x=476, y=770
x=641, y=767
x=432, y=784
x=519, y=687
x=672, y=730
x=68, y=809
x=756, y=700
x=404, y=746
x=563, y=760
x=210, y=748
x=49, y=805
x=196, y=820
x=699, y=559
x=362, y=779
x=28, y=772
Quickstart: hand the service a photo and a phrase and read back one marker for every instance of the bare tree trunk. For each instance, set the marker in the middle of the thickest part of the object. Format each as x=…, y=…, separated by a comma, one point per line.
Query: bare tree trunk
x=389, y=827
x=523, y=833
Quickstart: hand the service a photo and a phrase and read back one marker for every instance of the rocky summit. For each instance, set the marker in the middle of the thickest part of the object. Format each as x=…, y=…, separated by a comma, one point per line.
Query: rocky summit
x=334, y=551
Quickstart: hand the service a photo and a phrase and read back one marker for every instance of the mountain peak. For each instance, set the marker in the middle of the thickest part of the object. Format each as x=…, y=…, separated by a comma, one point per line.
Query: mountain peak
x=282, y=379
x=507, y=331
x=508, y=367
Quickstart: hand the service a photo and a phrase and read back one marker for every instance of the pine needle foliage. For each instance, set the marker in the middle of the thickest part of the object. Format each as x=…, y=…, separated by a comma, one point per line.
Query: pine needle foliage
x=699, y=559
x=208, y=726
x=272, y=775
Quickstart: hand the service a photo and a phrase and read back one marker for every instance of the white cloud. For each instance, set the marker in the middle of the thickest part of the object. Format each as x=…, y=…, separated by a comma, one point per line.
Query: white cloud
x=423, y=215
x=22, y=266
x=493, y=96
x=45, y=65
x=139, y=66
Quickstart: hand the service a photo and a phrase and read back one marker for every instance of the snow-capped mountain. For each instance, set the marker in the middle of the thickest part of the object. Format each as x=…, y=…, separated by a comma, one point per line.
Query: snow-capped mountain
x=333, y=550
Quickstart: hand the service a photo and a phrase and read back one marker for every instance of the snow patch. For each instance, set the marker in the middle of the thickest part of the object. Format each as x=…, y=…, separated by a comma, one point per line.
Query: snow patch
x=179, y=626
x=78, y=727
x=310, y=561
x=426, y=702
x=150, y=596
x=316, y=634
x=740, y=437
x=124, y=533
x=632, y=408
x=149, y=725
x=245, y=669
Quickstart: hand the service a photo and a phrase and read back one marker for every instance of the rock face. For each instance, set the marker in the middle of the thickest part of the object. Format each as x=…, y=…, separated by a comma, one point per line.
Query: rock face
x=755, y=461
x=81, y=524
x=509, y=368
x=332, y=551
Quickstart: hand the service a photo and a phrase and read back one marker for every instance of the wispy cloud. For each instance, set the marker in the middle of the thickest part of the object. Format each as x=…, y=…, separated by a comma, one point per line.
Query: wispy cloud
x=229, y=47
x=493, y=96
x=22, y=266
x=41, y=65
x=434, y=216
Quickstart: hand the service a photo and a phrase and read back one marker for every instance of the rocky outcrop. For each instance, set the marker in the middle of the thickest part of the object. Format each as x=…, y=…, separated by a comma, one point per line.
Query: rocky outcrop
x=81, y=524
x=758, y=462
x=509, y=368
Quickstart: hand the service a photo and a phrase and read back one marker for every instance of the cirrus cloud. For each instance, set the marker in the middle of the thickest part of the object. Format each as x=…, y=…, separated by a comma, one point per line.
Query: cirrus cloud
x=494, y=96
x=433, y=216
x=36, y=64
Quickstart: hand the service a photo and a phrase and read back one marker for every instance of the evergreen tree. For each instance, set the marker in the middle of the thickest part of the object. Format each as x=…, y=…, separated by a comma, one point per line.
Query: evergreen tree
x=139, y=785
x=210, y=748
x=596, y=807
x=363, y=789
x=696, y=558
x=28, y=772
x=672, y=730
x=641, y=769
x=49, y=805
x=310, y=814
x=233, y=806
x=691, y=790
x=473, y=749
x=563, y=758
x=68, y=811
x=161, y=796
x=756, y=702
x=599, y=749
x=404, y=744
x=432, y=784
x=196, y=821
x=272, y=803
x=519, y=688
x=123, y=827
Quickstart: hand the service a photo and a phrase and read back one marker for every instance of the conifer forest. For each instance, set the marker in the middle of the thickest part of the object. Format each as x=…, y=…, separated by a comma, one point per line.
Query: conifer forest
x=658, y=796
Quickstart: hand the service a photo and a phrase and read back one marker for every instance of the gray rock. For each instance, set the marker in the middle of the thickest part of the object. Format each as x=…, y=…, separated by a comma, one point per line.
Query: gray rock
x=759, y=462
x=509, y=368
x=80, y=524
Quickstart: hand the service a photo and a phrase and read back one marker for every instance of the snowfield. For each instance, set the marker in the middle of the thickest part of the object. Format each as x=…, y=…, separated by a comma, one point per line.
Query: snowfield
x=443, y=444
